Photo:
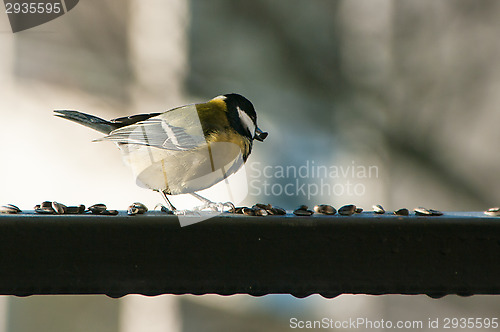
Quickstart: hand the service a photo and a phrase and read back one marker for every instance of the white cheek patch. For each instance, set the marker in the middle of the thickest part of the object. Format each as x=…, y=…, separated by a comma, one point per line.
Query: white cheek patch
x=246, y=121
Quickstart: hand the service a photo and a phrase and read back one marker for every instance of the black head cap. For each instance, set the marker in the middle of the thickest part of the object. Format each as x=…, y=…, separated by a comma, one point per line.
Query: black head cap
x=242, y=116
x=234, y=101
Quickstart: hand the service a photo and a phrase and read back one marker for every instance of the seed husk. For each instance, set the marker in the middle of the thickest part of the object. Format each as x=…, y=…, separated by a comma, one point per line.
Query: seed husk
x=9, y=209
x=493, y=212
x=359, y=210
x=59, y=208
x=402, y=212
x=97, y=208
x=303, y=207
x=325, y=209
x=347, y=210
x=302, y=212
x=110, y=212
x=378, y=209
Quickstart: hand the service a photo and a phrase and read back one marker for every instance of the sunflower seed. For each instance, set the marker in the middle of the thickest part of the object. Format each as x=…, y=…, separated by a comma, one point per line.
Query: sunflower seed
x=238, y=210
x=46, y=204
x=97, y=208
x=109, y=212
x=435, y=212
x=347, y=210
x=10, y=209
x=248, y=211
x=325, y=209
x=263, y=206
x=59, y=208
x=73, y=210
x=260, y=212
x=141, y=208
x=132, y=211
x=402, y=212
x=420, y=211
x=14, y=207
x=137, y=208
x=303, y=207
x=378, y=209
x=44, y=210
x=359, y=210
x=276, y=211
x=302, y=212
x=493, y=211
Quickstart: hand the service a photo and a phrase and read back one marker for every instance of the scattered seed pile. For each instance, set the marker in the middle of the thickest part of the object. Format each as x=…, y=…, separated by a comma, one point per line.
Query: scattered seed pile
x=258, y=209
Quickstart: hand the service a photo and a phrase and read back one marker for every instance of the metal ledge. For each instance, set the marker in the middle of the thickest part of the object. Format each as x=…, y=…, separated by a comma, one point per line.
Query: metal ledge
x=457, y=253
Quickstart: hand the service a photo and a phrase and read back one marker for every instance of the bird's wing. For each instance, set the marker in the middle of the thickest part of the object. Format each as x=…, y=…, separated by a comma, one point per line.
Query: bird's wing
x=132, y=119
x=176, y=129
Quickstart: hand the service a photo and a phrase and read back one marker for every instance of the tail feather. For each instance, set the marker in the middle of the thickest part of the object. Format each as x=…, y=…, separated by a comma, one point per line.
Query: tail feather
x=87, y=120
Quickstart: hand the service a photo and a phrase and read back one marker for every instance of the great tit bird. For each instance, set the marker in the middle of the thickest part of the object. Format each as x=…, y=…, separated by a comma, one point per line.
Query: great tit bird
x=185, y=149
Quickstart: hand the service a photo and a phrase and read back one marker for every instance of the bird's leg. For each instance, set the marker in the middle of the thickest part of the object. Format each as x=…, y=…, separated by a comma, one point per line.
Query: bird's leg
x=208, y=204
x=164, y=195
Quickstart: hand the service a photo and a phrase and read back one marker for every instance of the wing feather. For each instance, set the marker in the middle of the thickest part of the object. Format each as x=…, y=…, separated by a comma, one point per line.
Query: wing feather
x=177, y=129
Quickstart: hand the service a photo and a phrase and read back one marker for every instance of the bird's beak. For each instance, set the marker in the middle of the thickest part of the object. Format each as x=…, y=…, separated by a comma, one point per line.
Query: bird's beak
x=260, y=135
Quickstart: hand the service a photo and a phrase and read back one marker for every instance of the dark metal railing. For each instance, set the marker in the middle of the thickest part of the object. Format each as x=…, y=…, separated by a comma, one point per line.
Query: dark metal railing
x=456, y=253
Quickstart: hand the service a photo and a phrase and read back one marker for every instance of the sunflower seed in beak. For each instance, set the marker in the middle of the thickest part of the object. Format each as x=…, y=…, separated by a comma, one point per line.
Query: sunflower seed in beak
x=260, y=135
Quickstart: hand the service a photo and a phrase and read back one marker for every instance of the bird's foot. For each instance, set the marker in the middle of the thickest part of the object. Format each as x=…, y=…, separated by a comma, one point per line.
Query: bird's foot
x=215, y=207
x=176, y=212
x=207, y=206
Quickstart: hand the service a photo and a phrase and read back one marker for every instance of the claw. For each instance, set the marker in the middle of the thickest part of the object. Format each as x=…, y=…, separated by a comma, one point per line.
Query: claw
x=216, y=207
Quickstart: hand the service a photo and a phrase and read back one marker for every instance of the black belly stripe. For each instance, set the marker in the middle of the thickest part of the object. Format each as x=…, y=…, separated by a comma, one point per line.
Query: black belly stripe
x=211, y=157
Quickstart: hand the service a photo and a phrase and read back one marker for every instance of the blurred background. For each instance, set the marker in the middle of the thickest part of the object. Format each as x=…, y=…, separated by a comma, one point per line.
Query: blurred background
x=408, y=88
